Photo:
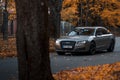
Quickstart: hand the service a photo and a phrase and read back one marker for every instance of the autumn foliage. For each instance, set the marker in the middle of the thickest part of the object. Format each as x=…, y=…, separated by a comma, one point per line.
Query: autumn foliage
x=100, y=72
x=11, y=9
x=91, y=12
x=8, y=47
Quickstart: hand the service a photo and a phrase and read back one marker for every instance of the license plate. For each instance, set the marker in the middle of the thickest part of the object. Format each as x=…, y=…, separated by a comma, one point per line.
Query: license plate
x=67, y=46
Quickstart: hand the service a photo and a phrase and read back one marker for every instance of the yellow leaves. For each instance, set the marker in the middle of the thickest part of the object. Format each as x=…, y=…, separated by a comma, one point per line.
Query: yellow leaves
x=69, y=14
x=8, y=48
x=69, y=3
x=66, y=2
x=107, y=10
x=69, y=11
x=112, y=17
x=51, y=45
x=11, y=9
x=100, y=72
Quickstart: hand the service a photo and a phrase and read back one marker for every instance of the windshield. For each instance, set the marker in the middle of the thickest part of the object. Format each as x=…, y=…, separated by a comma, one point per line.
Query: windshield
x=82, y=31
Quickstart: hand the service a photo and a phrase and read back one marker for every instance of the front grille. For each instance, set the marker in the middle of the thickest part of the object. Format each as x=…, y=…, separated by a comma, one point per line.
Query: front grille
x=68, y=45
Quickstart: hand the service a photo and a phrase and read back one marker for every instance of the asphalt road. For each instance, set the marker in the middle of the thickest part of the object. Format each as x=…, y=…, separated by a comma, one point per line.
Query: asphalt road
x=69, y=61
x=9, y=70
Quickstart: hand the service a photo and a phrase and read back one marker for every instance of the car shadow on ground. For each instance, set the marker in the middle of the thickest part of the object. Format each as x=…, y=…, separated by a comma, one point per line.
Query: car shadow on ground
x=85, y=54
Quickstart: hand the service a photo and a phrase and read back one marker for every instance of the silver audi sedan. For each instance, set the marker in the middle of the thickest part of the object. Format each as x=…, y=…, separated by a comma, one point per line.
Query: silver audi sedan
x=86, y=39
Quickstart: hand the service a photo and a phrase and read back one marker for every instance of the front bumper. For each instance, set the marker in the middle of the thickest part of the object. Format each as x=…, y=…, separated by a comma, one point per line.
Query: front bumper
x=81, y=48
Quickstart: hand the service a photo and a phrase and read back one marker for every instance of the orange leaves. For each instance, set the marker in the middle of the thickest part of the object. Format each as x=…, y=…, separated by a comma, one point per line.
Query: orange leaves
x=69, y=3
x=69, y=11
x=11, y=9
x=107, y=10
x=8, y=48
x=112, y=17
x=100, y=72
x=51, y=45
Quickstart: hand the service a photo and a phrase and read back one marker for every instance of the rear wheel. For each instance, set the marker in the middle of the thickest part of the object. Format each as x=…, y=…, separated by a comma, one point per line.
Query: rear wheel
x=111, y=47
x=92, y=49
x=60, y=53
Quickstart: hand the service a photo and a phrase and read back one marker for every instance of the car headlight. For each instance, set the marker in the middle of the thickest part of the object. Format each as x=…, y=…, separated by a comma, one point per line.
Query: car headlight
x=57, y=42
x=80, y=43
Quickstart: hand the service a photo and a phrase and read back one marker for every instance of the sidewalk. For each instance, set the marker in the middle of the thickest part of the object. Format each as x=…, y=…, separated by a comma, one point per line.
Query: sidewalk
x=8, y=69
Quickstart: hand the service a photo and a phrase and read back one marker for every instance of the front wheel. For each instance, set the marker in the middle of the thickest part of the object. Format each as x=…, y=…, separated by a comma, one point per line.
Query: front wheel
x=92, y=49
x=111, y=47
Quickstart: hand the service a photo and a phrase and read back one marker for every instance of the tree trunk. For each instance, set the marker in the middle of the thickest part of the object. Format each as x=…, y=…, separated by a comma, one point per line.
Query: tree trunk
x=5, y=25
x=87, y=13
x=33, y=40
x=55, y=8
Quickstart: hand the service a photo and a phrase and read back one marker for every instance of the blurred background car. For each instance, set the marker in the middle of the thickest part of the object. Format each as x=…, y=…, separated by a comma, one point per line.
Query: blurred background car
x=86, y=39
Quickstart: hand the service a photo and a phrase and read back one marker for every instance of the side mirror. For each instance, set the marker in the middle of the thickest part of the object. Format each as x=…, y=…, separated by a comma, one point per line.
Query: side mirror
x=98, y=34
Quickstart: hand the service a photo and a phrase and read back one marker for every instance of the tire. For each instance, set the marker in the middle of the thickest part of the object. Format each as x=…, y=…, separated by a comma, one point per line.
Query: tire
x=111, y=47
x=92, y=49
x=61, y=53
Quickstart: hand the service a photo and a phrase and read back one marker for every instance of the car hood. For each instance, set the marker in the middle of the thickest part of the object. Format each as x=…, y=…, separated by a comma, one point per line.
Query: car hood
x=73, y=38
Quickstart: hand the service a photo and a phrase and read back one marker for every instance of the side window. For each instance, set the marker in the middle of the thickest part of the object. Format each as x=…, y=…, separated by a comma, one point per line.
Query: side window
x=104, y=31
x=99, y=32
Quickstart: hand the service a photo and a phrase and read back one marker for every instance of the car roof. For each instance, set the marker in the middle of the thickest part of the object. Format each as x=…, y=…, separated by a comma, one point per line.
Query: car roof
x=92, y=27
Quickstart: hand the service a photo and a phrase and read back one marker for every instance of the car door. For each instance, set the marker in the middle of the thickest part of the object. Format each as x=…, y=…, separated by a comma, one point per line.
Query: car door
x=100, y=39
x=106, y=36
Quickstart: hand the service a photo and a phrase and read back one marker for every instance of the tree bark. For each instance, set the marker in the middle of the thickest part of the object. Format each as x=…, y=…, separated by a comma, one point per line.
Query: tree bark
x=55, y=16
x=33, y=40
x=5, y=25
